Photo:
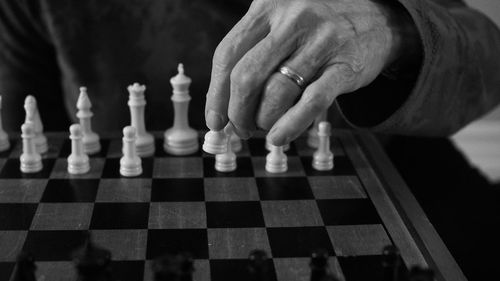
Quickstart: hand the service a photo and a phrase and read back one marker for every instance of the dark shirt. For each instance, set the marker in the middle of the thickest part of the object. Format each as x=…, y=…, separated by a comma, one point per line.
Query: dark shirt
x=49, y=48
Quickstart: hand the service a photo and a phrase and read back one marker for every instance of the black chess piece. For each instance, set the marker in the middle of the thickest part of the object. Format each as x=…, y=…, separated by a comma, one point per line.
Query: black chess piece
x=24, y=269
x=167, y=268
x=92, y=262
x=186, y=266
x=319, y=265
x=257, y=265
x=418, y=273
x=391, y=263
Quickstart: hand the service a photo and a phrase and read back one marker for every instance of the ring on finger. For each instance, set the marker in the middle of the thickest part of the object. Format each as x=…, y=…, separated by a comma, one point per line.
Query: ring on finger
x=292, y=75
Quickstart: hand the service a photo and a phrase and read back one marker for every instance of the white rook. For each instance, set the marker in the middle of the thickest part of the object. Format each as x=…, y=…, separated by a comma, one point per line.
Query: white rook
x=4, y=137
x=323, y=156
x=145, y=142
x=91, y=144
x=181, y=139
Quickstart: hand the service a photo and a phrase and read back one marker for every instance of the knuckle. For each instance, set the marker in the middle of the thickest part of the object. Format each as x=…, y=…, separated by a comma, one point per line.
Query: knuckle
x=241, y=80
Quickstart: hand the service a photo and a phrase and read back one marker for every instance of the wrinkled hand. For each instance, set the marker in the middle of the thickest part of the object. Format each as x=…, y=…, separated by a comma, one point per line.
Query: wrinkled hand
x=337, y=46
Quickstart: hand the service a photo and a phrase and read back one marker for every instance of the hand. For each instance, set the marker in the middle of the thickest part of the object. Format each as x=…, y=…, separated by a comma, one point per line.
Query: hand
x=337, y=46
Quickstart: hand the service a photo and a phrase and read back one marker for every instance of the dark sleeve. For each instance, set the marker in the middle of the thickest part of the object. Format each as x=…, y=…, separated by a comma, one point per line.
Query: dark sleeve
x=28, y=64
x=456, y=81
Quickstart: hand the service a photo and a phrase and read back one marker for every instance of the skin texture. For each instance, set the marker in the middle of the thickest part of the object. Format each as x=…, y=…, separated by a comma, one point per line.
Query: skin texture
x=337, y=46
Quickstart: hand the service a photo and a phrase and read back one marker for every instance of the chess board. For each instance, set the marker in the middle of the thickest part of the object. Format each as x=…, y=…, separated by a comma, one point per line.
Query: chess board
x=183, y=204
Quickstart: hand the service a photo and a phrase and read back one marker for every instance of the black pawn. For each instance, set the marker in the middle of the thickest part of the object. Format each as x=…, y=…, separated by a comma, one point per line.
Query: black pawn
x=391, y=263
x=319, y=265
x=92, y=262
x=187, y=267
x=167, y=268
x=418, y=273
x=257, y=265
x=24, y=269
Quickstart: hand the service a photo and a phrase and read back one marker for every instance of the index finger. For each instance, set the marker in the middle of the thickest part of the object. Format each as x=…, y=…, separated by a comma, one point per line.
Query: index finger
x=252, y=28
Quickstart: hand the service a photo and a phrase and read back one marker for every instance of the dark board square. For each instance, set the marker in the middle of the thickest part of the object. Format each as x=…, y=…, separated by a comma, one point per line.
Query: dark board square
x=234, y=214
x=6, y=269
x=120, y=216
x=112, y=168
x=177, y=190
x=53, y=245
x=128, y=270
x=348, y=212
x=12, y=170
x=257, y=147
x=160, y=151
x=14, y=216
x=365, y=267
x=66, y=149
x=70, y=190
x=237, y=269
x=291, y=188
x=162, y=241
x=342, y=166
x=244, y=168
x=298, y=241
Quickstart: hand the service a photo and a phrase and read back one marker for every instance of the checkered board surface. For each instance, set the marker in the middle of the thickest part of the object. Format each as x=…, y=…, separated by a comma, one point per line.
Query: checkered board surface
x=183, y=204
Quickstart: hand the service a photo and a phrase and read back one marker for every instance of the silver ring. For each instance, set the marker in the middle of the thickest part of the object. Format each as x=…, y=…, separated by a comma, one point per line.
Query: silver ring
x=292, y=75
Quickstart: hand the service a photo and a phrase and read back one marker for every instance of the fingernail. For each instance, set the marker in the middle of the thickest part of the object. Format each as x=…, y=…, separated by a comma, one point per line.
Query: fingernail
x=244, y=134
x=214, y=120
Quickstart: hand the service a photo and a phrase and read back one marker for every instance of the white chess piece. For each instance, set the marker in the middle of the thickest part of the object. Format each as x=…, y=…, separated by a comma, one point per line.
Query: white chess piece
x=323, y=157
x=33, y=116
x=181, y=139
x=91, y=143
x=226, y=162
x=236, y=145
x=276, y=160
x=78, y=161
x=145, y=142
x=312, y=134
x=31, y=161
x=286, y=147
x=4, y=137
x=215, y=142
x=130, y=163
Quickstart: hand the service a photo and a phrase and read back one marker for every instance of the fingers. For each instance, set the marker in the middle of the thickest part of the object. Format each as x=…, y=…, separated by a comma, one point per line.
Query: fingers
x=249, y=76
x=252, y=28
x=280, y=92
x=317, y=97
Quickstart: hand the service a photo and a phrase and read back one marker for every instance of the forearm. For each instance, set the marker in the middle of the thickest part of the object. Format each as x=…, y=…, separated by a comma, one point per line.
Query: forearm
x=456, y=82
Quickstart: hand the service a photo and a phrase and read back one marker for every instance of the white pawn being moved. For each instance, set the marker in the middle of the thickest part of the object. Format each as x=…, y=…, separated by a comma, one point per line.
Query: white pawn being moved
x=130, y=163
x=181, y=139
x=215, y=142
x=31, y=161
x=276, y=160
x=33, y=116
x=4, y=137
x=323, y=156
x=91, y=144
x=145, y=142
x=226, y=162
x=78, y=161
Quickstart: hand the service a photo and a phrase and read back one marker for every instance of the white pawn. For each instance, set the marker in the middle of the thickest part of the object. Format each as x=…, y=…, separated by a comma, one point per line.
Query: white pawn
x=312, y=134
x=181, y=139
x=226, y=162
x=276, y=160
x=78, y=161
x=33, y=116
x=286, y=147
x=4, y=137
x=236, y=143
x=130, y=163
x=31, y=161
x=323, y=157
x=91, y=144
x=215, y=142
x=145, y=143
